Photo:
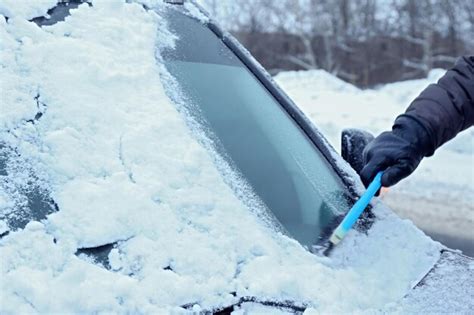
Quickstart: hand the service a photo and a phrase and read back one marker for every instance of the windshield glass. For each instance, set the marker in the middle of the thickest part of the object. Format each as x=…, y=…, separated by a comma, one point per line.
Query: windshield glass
x=253, y=133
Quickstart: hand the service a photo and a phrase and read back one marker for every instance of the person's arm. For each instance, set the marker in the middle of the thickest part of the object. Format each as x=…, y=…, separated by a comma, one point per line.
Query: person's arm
x=437, y=115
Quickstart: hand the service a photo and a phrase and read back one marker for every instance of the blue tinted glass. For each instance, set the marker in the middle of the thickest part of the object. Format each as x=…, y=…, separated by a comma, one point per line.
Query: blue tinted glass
x=254, y=133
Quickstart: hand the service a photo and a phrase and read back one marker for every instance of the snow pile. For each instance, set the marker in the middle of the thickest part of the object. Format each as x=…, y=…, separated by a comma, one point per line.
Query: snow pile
x=124, y=167
x=439, y=196
x=26, y=9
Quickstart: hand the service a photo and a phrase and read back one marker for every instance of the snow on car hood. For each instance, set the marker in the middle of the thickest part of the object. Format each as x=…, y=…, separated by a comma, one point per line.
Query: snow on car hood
x=26, y=9
x=123, y=165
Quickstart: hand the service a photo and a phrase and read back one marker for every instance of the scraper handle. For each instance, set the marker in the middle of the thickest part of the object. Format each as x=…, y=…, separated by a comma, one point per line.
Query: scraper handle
x=356, y=210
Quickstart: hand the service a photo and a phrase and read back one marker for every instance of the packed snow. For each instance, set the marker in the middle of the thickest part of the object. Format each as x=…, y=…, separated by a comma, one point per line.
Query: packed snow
x=27, y=9
x=439, y=195
x=124, y=166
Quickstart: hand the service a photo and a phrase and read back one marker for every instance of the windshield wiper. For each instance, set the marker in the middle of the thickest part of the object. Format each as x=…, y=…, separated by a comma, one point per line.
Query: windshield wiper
x=287, y=305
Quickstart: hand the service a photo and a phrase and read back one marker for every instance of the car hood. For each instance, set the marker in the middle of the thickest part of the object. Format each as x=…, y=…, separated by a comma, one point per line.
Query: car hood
x=86, y=113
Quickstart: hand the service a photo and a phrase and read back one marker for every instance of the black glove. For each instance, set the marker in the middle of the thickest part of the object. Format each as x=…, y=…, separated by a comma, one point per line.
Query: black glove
x=397, y=152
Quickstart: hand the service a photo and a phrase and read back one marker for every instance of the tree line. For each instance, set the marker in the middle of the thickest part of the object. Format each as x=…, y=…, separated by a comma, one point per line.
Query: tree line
x=365, y=42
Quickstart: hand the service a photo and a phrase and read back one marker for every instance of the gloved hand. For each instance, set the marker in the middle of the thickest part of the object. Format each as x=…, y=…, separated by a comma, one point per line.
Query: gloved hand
x=398, y=152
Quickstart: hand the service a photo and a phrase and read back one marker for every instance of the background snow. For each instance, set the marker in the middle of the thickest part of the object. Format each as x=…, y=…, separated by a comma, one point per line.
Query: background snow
x=439, y=196
x=123, y=166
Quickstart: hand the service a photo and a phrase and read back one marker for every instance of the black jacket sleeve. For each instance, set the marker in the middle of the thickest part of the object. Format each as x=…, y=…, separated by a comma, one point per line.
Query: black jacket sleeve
x=443, y=109
x=437, y=115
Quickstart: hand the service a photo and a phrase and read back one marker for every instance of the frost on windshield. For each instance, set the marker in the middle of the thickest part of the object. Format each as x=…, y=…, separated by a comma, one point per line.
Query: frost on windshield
x=24, y=196
x=124, y=168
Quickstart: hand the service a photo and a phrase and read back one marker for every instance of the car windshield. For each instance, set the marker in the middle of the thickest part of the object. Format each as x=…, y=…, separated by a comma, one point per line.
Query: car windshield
x=253, y=132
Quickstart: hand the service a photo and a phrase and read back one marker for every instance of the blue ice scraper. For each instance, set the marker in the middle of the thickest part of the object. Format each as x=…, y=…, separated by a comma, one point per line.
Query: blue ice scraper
x=351, y=216
x=356, y=210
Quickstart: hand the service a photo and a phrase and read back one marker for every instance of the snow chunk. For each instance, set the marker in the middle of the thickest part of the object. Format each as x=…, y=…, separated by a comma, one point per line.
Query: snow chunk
x=195, y=12
x=26, y=9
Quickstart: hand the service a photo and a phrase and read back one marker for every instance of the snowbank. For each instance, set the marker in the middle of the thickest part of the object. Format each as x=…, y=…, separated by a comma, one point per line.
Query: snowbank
x=334, y=104
x=124, y=167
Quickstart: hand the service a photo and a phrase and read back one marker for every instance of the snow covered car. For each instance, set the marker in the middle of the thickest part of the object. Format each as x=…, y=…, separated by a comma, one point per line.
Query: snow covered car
x=148, y=164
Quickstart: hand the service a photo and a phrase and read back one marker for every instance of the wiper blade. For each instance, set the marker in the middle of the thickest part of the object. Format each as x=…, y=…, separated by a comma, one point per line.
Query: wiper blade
x=287, y=305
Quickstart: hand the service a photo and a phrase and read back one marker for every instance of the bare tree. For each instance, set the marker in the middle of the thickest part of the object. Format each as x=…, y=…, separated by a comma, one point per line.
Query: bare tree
x=362, y=41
